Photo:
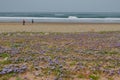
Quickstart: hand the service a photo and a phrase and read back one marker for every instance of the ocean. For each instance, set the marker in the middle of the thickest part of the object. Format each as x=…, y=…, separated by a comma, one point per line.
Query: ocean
x=67, y=17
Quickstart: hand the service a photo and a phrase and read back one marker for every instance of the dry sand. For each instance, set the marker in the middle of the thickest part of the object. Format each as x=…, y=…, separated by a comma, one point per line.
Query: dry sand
x=58, y=27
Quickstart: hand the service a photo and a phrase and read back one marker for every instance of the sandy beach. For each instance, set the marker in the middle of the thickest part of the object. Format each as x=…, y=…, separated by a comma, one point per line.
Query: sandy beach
x=58, y=27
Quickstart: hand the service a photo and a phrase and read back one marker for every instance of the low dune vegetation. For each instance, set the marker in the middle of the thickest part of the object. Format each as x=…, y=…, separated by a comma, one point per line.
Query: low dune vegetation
x=60, y=56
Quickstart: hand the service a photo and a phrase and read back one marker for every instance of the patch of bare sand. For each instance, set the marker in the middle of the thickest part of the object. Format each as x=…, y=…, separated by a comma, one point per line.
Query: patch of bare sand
x=58, y=27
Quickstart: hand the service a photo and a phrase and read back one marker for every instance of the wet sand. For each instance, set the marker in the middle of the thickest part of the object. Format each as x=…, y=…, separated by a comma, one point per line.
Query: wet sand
x=58, y=27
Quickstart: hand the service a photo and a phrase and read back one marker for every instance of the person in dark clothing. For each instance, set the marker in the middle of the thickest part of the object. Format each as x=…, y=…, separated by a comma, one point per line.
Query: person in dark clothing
x=32, y=21
x=23, y=22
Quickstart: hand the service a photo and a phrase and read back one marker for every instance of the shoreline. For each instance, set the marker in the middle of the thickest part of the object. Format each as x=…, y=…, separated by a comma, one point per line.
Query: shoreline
x=58, y=27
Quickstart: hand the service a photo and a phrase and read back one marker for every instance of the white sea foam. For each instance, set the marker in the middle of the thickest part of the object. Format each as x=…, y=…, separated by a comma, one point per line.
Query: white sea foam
x=69, y=19
x=72, y=17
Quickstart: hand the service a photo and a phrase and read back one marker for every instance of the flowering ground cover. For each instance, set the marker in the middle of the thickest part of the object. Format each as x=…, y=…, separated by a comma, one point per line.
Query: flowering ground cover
x=60, y=56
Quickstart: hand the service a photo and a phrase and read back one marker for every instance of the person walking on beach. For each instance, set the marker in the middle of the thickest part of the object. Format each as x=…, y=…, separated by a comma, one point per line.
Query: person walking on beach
x=32, y=21
x=23, y=22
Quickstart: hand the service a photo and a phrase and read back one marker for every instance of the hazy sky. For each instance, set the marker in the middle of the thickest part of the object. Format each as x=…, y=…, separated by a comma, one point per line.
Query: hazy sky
x=60, y=5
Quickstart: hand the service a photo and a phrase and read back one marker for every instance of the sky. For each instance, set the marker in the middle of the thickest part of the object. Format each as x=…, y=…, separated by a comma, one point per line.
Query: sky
x=59, y=5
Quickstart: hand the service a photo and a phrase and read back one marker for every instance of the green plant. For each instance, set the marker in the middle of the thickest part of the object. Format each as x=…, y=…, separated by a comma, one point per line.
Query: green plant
x=81, y=76
x=18, y=78
x=4, y=55
x=5, y=62
x=94, y=77
x=110, y=78
x=6, y=77
x=72, y=63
